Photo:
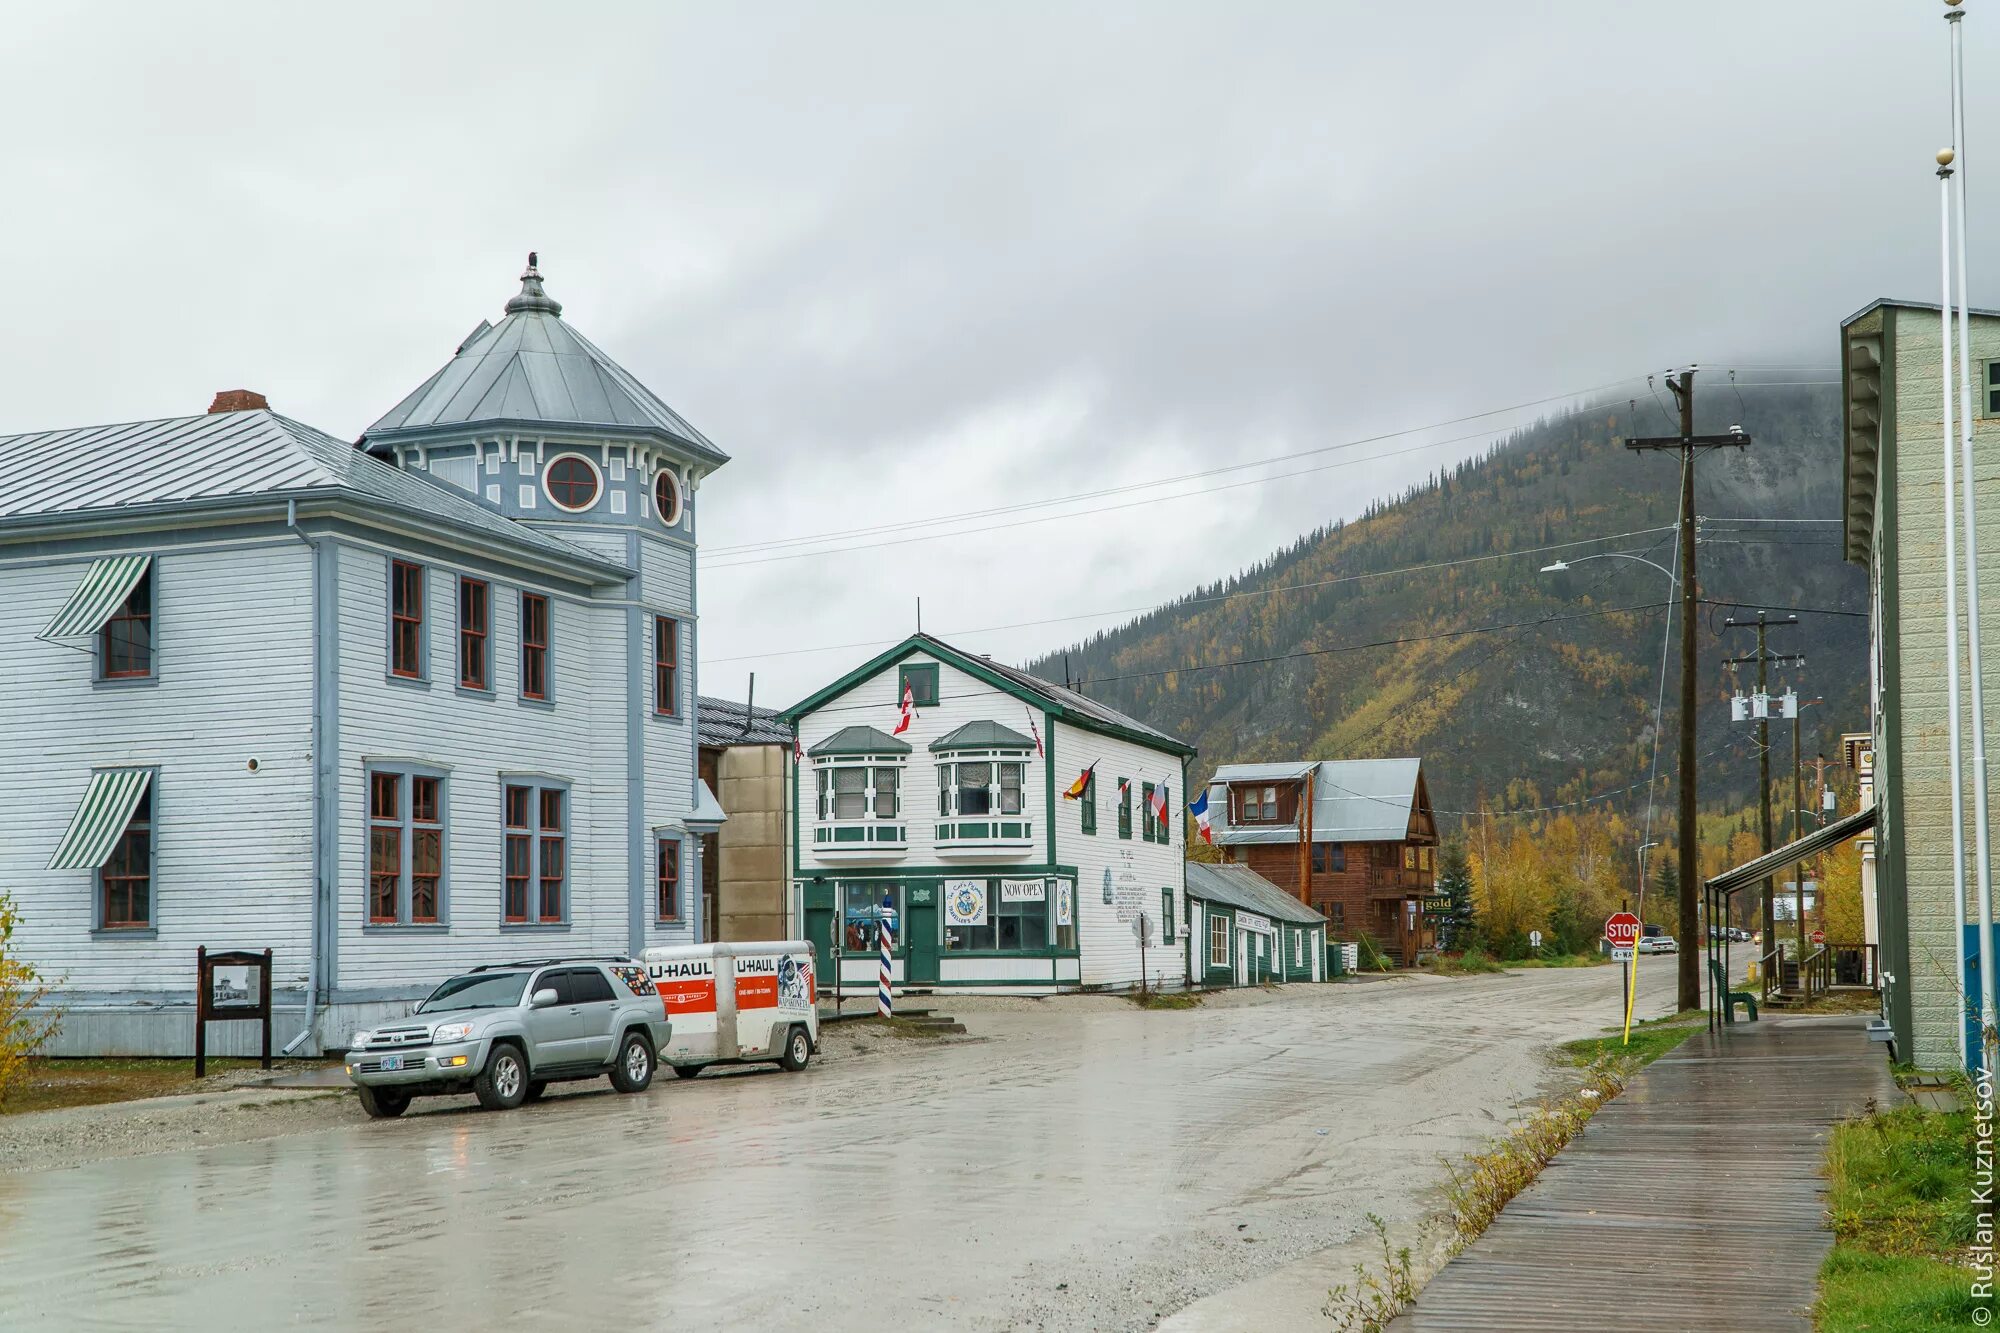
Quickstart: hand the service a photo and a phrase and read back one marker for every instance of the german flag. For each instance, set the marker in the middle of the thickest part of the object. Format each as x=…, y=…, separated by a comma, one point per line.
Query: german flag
x=1081, y=785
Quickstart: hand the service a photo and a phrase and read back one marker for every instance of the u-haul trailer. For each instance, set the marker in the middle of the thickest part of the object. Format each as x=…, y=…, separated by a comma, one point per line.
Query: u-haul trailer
x=737, y=1003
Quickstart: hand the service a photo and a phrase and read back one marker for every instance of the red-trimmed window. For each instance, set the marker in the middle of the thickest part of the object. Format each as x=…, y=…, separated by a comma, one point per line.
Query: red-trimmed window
x=572, y=482
x=670, y=879
x=128, y=876
x=126, y=640
x=406, y=619
x=385, y=847
x=553, y=864
x=519, y=852
x=534, y=646
x=666, y=665
x=472, y=608
x=426, y=849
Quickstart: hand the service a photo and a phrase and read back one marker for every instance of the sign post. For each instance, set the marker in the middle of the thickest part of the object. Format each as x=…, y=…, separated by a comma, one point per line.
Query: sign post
x=1535, y=940
x=1819, y=937
x=1621, y=932
x=230, y=985
x=1142, y=926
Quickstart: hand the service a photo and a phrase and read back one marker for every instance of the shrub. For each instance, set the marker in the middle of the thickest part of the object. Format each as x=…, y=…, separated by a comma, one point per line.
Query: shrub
x=25, y=1020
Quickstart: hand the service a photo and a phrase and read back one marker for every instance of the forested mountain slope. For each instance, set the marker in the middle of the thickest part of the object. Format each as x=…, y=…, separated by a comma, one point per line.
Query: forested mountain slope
x=1555, y=709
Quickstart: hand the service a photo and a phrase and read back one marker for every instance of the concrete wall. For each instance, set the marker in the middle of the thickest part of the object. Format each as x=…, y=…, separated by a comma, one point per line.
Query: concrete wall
x=1923, y=763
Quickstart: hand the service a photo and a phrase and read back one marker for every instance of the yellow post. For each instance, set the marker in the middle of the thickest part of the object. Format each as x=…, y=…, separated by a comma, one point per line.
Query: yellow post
x=1631, y=990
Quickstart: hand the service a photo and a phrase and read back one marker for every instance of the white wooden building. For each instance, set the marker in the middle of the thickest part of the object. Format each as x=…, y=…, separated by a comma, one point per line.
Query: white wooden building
x=959, y=829
x=390, y=709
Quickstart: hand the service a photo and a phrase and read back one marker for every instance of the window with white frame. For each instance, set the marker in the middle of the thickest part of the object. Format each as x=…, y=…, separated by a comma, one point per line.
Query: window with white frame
x=859, y=790
x=986, y=785
x=1218, y=941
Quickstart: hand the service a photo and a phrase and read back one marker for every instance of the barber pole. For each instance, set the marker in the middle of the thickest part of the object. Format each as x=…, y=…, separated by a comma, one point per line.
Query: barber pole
x=888, y=937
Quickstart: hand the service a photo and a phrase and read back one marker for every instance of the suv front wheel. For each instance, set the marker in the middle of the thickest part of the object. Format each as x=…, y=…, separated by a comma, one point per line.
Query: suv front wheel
x=634, y=1070
x=503, y=1084
x=383, y=1103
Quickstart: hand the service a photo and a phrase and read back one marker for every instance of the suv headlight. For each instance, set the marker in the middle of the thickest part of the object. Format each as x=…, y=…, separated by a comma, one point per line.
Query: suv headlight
x=361, y=1039
x=451, y=1032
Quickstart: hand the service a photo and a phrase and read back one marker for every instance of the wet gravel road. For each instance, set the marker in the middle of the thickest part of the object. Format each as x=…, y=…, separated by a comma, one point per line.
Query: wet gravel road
x=1087, y=1166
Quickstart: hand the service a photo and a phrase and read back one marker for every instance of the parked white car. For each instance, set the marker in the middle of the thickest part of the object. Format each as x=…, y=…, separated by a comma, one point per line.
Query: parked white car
x=1659, y=944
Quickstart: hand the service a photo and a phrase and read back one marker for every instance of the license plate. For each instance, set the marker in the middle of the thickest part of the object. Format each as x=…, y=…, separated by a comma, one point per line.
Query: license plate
x=391, y=1063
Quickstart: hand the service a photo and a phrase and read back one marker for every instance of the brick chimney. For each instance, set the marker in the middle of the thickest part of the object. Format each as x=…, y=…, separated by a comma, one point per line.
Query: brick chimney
x=238, y=400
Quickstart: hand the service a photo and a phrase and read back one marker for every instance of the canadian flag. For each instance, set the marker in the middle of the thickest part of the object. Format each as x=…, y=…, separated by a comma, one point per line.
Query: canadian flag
x=909, y=710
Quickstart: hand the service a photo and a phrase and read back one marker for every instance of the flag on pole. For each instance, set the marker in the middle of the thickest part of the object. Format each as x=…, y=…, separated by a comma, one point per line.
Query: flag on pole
x=1036, y=732
x=1200, y=812
x=798, y=749
x=1081, y=785
x=909, y=710
x=1160, y=803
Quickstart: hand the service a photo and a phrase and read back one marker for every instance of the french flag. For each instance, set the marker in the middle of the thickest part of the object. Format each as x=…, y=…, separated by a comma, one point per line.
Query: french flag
x=1200, y=812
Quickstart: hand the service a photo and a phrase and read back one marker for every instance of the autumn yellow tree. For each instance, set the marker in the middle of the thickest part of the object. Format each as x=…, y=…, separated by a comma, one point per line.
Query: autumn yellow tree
x=26, y=1021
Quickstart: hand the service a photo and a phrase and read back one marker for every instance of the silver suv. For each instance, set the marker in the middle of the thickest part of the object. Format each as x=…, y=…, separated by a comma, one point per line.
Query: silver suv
x=505, y=1032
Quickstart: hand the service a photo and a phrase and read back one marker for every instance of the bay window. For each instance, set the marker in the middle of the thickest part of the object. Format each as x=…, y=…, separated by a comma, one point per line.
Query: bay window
x=859, y=801
x=981, y=787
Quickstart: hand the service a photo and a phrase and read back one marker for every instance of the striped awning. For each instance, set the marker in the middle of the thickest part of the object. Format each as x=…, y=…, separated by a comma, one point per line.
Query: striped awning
x=106, y=585
x=101, y=817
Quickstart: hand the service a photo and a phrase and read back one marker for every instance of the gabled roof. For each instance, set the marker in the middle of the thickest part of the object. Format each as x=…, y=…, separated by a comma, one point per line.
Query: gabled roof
x=982, y=736
x=859, y=740
x=532, y=369
x=1244, y=888
x=724, y=722
x=223, y=457
x=1354, y=800
x=1066, y=704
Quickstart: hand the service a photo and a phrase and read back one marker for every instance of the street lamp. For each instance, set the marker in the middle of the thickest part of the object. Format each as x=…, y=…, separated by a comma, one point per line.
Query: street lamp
x=1560, y=565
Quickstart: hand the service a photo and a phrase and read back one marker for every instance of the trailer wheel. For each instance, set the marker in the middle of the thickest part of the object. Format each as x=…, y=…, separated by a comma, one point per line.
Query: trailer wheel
x=798, y=1051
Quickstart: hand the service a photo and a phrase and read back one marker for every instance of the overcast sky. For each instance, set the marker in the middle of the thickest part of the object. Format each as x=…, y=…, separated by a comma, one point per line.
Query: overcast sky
x=921, y=260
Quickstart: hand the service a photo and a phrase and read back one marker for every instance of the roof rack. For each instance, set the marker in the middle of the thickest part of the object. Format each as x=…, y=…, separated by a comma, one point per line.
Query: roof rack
x=545, y=962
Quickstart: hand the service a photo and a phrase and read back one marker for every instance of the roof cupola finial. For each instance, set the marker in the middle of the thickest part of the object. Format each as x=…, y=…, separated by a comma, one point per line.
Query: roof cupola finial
x=532, y=296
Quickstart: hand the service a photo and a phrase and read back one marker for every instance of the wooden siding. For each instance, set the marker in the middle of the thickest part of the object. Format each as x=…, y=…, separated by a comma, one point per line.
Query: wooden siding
x=234, y=848
x=579, y=738
x=1369, y=889
x=666, y=587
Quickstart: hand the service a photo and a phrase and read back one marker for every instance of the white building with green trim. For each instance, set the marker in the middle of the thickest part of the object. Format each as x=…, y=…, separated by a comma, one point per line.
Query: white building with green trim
x=958, y=829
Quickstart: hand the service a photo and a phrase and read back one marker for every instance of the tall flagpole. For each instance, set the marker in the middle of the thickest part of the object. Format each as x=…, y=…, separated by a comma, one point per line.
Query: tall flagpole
x=1951, y=598
x=1989, y=998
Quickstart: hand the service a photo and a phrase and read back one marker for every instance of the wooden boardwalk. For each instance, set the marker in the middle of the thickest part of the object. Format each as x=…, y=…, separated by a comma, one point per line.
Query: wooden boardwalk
x=1692, y=1201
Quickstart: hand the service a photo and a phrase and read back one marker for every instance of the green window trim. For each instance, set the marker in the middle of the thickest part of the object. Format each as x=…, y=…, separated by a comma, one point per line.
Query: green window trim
x=1167, y=915
x=1087, y=815
x=921, y=679
x=1125, y=808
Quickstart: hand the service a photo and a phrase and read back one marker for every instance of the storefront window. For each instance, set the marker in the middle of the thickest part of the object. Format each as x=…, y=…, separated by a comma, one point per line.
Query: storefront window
x=1016, y=916
x=862, y=909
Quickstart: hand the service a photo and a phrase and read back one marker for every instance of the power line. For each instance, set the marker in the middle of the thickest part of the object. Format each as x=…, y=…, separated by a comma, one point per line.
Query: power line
x=1217, y=598
x=789, y=548
x=1296, y=655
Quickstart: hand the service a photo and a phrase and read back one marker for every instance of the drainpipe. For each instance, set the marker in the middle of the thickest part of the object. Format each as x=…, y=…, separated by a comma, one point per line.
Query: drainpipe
x=312, y=952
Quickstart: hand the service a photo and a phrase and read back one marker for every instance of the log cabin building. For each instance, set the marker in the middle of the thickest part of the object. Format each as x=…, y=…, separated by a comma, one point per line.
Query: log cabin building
x=1355, y=839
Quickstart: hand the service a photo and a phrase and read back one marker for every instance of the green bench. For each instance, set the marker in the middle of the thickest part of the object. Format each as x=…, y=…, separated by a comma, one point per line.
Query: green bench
x=1731, y=998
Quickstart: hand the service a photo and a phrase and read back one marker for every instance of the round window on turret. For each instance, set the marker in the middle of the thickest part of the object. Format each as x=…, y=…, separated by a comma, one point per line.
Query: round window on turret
x=667, y=496
x=571, y=482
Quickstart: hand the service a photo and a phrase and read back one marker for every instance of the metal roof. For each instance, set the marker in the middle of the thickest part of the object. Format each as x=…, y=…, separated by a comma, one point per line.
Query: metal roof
x=1242, y=887
x=1839, y=831
x=219, y=456
x=1064, y=698
x=982, y=735
x=725, y=722
x=533, y=369
x=859, y=740
x=1354, y=800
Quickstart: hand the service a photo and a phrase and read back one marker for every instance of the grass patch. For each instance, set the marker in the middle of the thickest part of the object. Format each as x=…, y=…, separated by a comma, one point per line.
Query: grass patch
x=1381, y=1291
x=1562, y=960
x=1649, y=1042
x=1159, y=999
x=1901, y=1206
x=45, y=1084
x=1487, y=1180
x=1471, y=963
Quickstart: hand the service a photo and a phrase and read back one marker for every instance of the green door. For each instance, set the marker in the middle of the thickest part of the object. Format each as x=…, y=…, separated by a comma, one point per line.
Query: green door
x=920, y=963
x=819, y=899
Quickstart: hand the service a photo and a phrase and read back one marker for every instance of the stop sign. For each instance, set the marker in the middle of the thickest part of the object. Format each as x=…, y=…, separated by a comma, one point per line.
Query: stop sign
x=1819, y=937
x=1621, y=930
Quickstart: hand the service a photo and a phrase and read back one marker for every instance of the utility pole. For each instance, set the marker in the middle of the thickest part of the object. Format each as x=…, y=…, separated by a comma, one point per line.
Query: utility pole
x=1686, y=444
x=1763, y=658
